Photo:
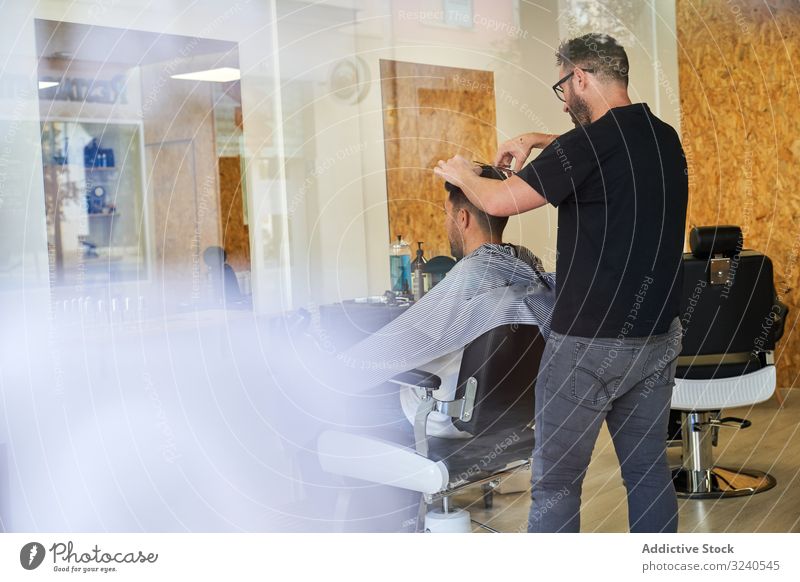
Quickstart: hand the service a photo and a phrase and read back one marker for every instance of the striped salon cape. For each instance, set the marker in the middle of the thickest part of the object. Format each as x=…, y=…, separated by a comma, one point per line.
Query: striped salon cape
x=497, y=284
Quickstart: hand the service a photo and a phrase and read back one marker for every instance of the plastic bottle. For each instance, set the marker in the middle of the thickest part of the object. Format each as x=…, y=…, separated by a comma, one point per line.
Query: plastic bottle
x=420, y=278
x=400, y=266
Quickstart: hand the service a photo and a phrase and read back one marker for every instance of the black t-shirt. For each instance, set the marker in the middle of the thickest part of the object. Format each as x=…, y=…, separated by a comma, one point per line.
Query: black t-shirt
x=620, y=185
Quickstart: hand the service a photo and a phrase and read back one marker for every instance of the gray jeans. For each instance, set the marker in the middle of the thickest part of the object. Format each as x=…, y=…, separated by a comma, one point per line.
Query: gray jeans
x=628, y=383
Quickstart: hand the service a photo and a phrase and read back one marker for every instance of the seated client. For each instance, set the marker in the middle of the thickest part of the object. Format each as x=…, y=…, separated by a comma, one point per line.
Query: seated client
x=492, y=284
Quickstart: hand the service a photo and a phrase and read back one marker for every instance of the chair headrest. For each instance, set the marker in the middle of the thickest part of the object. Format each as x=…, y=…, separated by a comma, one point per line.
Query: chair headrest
x=715, y=240
x=440, y=264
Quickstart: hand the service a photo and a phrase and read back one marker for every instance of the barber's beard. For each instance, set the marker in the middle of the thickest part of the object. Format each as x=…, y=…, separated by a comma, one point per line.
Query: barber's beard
x=579, y=111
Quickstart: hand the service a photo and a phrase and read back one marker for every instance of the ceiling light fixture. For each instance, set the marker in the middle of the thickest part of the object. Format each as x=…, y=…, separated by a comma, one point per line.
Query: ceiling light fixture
x=221, y=75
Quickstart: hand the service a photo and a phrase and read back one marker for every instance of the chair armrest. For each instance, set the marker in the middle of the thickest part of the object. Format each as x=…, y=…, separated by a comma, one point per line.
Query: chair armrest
x=419, y=378
x=428, y=382
x=461, y=408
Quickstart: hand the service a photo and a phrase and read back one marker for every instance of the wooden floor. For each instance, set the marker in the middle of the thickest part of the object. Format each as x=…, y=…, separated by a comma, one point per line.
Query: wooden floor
x=771, y=444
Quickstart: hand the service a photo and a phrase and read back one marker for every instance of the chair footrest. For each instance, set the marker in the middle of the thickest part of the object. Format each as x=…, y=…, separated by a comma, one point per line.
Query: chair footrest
x=472, y=459
x=720, y=482
x=732, y=422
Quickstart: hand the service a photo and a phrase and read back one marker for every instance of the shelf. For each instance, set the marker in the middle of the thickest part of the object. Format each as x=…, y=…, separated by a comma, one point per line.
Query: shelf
x=87, y=168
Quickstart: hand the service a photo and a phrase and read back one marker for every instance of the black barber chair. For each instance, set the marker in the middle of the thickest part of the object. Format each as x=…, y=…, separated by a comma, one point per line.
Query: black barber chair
x=731, y=321
x=494, y=402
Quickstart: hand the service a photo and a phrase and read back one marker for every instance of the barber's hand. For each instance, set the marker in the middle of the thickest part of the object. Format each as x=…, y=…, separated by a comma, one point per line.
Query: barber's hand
x=519, y=148
x=456, y=170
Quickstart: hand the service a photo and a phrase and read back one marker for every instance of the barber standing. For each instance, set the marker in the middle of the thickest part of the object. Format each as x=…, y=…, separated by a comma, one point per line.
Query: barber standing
x=619, y=182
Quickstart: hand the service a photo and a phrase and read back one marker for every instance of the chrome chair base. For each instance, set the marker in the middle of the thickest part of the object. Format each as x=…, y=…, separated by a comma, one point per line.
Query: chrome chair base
x=720, y=482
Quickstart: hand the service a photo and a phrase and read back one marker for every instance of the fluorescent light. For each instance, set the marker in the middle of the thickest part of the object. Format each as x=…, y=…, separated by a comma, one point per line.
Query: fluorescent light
x=221, y=75
x=47, y=84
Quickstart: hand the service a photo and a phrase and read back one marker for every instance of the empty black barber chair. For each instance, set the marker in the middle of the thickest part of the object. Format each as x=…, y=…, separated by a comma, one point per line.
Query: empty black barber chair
x=731, y=321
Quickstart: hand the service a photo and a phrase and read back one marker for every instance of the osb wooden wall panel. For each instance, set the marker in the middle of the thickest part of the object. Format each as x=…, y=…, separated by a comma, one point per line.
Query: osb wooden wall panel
x=182, y=178
x=171, y=186
x=741, y=132
x=235, y=236
x=431, y=113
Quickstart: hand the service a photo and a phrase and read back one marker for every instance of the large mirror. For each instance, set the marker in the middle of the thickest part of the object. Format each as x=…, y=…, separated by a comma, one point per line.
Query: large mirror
x=142, y=163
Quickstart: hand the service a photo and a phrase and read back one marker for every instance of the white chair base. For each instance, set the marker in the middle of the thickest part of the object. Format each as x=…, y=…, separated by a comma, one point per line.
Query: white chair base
x=453, y=521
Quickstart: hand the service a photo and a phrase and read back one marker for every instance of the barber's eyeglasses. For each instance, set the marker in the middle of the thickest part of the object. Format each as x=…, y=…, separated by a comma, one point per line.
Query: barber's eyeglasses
x=559, y=90
x=507, y=171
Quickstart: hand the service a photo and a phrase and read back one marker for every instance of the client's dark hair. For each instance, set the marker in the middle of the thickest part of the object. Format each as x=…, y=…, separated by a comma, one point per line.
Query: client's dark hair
x=488, y=223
